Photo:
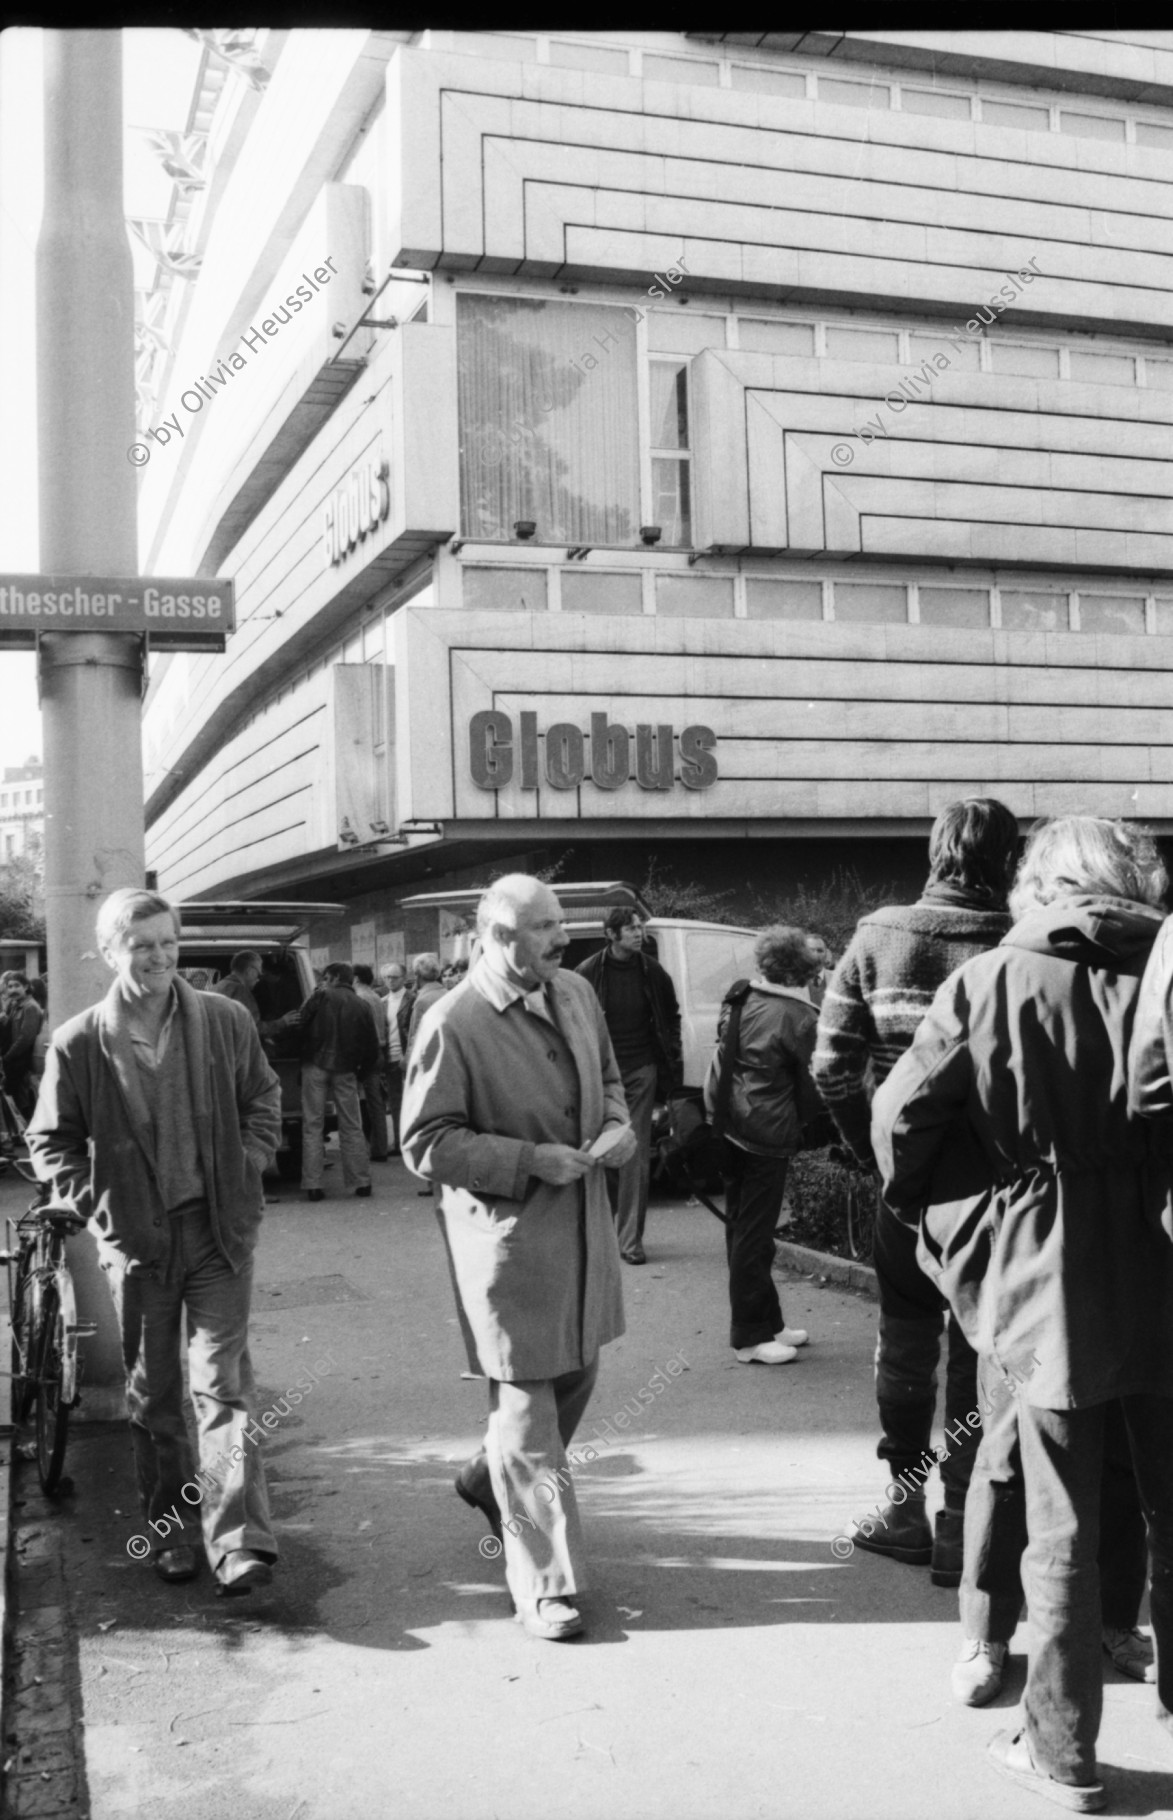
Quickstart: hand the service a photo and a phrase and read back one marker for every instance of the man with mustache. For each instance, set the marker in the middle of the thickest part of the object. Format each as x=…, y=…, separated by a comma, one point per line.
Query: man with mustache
x=511, y=1080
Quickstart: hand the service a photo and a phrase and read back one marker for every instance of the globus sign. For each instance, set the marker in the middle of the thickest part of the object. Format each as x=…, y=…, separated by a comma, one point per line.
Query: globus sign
x=357, y=508
x=496, y=755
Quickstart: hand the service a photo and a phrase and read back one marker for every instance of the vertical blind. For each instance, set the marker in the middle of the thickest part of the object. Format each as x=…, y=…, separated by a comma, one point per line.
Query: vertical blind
x=548, y=419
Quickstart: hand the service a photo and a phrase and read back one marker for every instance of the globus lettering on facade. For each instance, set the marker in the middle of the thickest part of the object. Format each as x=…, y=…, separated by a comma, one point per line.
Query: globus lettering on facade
x=357, y=508
x=492, y=747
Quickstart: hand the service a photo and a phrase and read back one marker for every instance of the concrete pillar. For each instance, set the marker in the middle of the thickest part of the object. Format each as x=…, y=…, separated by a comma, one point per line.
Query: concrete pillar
x=90, y=683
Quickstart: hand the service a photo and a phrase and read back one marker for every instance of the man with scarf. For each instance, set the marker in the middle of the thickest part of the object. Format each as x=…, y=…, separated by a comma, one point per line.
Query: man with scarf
x=878, y=995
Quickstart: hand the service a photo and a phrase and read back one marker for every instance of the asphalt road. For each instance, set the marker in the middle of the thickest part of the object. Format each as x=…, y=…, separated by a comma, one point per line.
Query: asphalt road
x=734, y=1667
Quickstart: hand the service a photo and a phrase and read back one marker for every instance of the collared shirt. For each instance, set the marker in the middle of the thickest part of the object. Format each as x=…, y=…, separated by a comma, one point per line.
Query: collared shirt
x=502, y=990
x=149, y=1051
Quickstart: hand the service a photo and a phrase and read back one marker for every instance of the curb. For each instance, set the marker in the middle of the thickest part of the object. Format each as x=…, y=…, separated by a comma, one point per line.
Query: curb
x=827, y=1268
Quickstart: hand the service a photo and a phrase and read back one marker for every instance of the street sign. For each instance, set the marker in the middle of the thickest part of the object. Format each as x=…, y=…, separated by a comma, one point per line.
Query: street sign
x=180, y=613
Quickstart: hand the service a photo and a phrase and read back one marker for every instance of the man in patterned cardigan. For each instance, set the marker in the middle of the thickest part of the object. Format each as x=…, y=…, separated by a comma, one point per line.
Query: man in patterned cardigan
x=878, y=995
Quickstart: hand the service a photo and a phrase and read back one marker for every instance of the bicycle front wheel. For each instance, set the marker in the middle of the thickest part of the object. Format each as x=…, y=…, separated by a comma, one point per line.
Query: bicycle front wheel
x=22, y=1320
x=52, y=1403
x=861, y=1219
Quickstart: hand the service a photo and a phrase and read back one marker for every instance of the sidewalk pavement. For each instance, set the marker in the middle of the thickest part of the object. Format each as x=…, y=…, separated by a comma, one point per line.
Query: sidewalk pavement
x=733, y=1666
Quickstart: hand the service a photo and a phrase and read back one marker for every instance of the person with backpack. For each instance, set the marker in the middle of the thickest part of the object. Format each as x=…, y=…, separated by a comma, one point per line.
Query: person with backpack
x=759, y=1094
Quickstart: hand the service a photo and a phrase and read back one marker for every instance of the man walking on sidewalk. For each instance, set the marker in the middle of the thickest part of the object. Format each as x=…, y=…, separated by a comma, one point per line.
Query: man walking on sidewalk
x=339, y=1045
x=643, y=1022
x=511, y=1079
x=374, y=1092
x=395, y=980
x=878, y=995
x=157, y=1117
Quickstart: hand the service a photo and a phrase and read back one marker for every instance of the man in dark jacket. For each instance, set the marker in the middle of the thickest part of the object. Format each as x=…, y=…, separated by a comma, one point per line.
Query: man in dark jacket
x=643, y=1022
x=877, y=996
x=25, y=1019
x=339, y=1045
x=1046, y=1221
x=157, y=1117
x=771, y=1098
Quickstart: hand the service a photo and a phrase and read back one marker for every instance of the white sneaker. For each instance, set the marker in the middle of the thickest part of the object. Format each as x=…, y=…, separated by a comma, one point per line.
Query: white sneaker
x=977, y=1672
x=792, y=1336
x=770, y=1352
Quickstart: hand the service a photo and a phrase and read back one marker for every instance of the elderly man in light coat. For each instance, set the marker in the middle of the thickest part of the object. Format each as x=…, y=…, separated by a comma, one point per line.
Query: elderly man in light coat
x=512, y=1080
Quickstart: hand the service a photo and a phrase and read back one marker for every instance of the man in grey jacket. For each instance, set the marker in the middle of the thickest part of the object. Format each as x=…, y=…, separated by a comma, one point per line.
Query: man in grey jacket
x=511, y=1080
x=157, y=1118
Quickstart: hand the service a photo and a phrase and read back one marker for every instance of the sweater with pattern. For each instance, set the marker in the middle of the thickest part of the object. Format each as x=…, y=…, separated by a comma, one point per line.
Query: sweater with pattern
x=881, y=990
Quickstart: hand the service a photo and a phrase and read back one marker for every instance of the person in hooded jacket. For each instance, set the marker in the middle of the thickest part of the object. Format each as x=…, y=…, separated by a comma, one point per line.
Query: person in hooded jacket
x=1047, y=1222
x=771, y=1098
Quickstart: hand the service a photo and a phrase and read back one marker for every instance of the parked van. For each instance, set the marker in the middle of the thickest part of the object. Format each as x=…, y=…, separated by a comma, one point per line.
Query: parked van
x=703, y=959
x=212, y=933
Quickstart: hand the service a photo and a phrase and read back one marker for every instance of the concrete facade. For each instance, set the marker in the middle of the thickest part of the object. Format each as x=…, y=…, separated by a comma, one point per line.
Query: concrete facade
x=777, y=448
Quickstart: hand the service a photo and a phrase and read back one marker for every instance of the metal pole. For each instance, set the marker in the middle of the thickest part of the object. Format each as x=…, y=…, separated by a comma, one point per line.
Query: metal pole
x=90, y=683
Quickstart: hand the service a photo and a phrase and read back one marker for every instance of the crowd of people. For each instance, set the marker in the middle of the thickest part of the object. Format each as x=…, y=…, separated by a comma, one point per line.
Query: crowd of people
x=1000, y=1052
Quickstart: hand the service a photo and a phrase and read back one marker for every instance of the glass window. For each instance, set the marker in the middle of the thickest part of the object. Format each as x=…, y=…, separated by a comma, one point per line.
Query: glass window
x=695, y=596
x=589, y=57
x=1031, y=360
x=769, y=82
x=871, y=602
x=954, y=607
x=671, y=489
x=547, y=403
x=596, y=591
x=784, y=599
x=679, y=69
x=1161, y=137
x=1091, y=126
x=964, y=355
x=854, y=94
x=508, y=590
x=1012, y=113
x=680, y=332
x=932, y=101
x=863, y=344
x=1111, y=613
x=1034, y=612
x=776, y=337
x=1102, y=369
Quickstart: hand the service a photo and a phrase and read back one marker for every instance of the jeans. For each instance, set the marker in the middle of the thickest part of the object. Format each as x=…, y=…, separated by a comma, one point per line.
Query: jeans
x=531, y=1423
x=316, y=1086
x=753, y=1201
x=912, y=1316
x=394, y=1074
x=1062, y=1462
x=149, y=1307
x=628, y=1186
x=373, y=1091
x=995, y=1522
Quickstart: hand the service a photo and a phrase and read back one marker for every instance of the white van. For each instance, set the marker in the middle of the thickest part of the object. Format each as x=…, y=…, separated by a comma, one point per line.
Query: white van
x=703, y=959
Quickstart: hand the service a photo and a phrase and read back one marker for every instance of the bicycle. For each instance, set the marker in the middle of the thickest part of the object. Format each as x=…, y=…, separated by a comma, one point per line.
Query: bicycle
x=45, y=1328
x=863, y=1204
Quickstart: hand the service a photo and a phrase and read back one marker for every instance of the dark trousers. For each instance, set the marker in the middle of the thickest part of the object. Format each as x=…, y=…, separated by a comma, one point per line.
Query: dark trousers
x=1063, y=1463
x=375, y=1115
x=753, y=1200
x=913, y=1315
x=995, y=1522
x=628, y=1186
x=393, y=1074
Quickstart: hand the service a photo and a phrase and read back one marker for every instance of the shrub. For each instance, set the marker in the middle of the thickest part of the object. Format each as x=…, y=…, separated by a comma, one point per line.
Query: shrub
x=828, y=907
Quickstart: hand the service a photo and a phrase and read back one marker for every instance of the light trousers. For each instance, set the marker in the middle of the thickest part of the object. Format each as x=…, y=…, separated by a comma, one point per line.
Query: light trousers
x=318, y=1085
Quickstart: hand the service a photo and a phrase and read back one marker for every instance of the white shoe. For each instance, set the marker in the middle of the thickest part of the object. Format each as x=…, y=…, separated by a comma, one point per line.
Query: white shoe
x=977, y=1672
x=792, y=1336
x=770, y=1352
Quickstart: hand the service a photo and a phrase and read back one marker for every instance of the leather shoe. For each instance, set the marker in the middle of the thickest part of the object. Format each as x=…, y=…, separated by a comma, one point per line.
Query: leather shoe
x=1010, y=1755
x=364, y=1193
x=770, y=1352
x=489, y=1505
x=554, y=1620
x=634, y=1254
x=177, y=1564
x=241, y=1571
x=315, y=1194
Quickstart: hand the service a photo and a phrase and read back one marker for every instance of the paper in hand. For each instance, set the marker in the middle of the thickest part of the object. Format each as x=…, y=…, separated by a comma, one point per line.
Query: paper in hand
x=607, y=1140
